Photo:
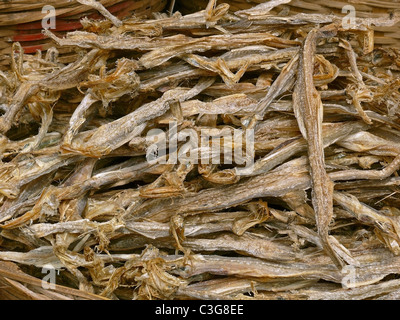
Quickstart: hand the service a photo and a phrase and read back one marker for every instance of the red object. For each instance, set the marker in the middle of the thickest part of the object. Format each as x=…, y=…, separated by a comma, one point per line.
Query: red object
x=28, y=37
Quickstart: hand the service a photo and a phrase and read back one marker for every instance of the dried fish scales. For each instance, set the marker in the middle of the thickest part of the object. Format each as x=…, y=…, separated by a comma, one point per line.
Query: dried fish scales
x=314, y=216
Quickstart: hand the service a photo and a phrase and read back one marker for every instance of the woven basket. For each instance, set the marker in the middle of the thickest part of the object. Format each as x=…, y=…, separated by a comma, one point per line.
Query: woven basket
x=385, y=36
x=20, y=20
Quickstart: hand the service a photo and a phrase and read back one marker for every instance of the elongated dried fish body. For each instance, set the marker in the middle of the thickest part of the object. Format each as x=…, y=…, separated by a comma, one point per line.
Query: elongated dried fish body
x=46, y=114
x=256, y=268
x=247, y=244
x=223, y=66
x=73, y=209
x=365, y=162
x=231, y=104
x=102, y=10
x=308, y=109
x=78, y=118
x=269, y=184
x=87, y=40
x=38, y=257
x=262, y=9
x=17, y=173
x=157, y=57
x=29, y=194
x=113, y=135
x=364, y=274
x=230, y=287
x=109, y=87
x=156, y=230
x=368, y=142
x=172, y=46
x=331, y=134
x=367, y=292
x=280, y=85
x=387, y=225
x=361, y=91
x=385, y=173
x=77, y=227
x=25, y=91
x=154, y=79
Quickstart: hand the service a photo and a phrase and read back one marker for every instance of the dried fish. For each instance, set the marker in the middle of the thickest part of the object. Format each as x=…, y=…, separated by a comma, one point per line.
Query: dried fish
x=122, y=164
x=308, y=109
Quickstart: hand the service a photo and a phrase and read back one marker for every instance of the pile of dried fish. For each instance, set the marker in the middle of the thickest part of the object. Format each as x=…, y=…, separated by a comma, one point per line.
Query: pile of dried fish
x=316, y=215
x=385, y=35
x=22, y=20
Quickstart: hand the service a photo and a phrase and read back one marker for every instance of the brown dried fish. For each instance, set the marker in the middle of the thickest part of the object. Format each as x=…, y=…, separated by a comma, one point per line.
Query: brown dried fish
x=313, y=215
